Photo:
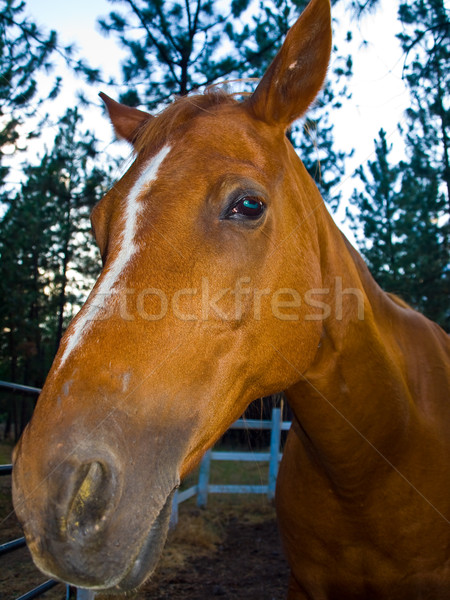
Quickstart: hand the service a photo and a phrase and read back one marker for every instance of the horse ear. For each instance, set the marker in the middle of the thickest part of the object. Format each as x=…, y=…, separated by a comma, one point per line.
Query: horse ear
x=298, y=71
x=126, y=120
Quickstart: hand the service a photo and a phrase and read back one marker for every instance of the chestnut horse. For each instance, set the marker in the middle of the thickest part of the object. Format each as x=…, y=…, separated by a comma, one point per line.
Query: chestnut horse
x=225, y=280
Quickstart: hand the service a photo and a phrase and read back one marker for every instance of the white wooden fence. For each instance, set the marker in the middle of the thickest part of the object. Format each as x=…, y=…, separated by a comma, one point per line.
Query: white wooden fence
x=203, y=487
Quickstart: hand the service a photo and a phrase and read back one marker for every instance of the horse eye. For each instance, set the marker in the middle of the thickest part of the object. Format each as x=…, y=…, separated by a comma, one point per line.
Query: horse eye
x=247, y=207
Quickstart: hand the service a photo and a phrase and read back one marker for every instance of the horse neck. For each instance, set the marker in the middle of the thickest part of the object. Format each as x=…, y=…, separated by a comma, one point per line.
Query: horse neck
x=361, y=395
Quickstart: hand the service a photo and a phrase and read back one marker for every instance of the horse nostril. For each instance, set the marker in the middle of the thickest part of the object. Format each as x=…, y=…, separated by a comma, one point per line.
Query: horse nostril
x=91, y=501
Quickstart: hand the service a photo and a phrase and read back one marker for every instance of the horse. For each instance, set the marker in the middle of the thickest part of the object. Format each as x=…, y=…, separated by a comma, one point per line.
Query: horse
x=224, y=280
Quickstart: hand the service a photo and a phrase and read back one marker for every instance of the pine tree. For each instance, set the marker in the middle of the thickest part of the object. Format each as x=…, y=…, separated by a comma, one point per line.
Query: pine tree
x=26, y=52
x=424, y=237
x=46, y=263
x=364, y=7
x=378, y=214
x=404, y=211
x=173, y=47
x=38, y=238
x=425, y=39
x=398, y=229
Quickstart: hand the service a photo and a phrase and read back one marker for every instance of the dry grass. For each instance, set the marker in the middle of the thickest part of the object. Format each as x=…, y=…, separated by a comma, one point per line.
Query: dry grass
x=200, y=531
x=195, y=535
x=6, y=449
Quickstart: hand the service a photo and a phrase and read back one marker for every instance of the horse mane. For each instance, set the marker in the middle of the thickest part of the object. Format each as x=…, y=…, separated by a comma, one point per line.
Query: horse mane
x=156, y=131
x=399, y=301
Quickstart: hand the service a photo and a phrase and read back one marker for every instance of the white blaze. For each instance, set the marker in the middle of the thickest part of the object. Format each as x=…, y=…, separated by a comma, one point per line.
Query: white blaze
x=127, y=248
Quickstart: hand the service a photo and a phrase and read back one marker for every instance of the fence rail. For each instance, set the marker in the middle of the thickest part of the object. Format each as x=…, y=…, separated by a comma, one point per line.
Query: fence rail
x=20, y=542
x=18, y=387
x=203, y=487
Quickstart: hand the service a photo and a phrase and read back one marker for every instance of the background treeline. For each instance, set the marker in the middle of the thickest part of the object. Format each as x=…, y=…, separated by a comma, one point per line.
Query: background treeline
x=48, y=261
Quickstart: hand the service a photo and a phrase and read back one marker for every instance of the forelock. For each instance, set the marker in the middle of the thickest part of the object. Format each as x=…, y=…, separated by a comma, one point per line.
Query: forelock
x=177, y=116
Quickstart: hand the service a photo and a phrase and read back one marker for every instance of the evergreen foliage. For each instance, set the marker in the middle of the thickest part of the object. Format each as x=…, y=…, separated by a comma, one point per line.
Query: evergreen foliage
x=378, y=214
x=46, y=260
x=364, y=7
x=26, y=52
x=425, y=40
x=398, y=230
x=173, y=47
x=404, y=209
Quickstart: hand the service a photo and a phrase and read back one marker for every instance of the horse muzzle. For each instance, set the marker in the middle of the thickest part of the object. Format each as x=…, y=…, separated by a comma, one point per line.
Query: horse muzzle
x=86, y=521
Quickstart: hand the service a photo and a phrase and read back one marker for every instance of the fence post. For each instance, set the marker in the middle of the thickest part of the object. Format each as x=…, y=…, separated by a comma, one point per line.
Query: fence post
x=174, y=514
x=275, y=437
x=83, y=594
x=203, y=480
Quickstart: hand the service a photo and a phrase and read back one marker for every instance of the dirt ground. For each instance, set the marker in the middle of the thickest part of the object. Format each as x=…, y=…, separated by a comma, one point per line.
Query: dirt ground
x=248, y=564
x=229, y=550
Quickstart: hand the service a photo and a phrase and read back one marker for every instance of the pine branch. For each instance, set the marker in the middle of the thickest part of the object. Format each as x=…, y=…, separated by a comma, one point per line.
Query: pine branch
x=160, y=47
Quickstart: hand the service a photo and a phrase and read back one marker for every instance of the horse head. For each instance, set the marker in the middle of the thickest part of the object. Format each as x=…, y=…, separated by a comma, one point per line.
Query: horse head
x=207, y=249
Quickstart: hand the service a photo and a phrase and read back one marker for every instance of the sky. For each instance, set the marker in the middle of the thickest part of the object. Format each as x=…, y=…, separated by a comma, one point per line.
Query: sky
x=379, y=98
